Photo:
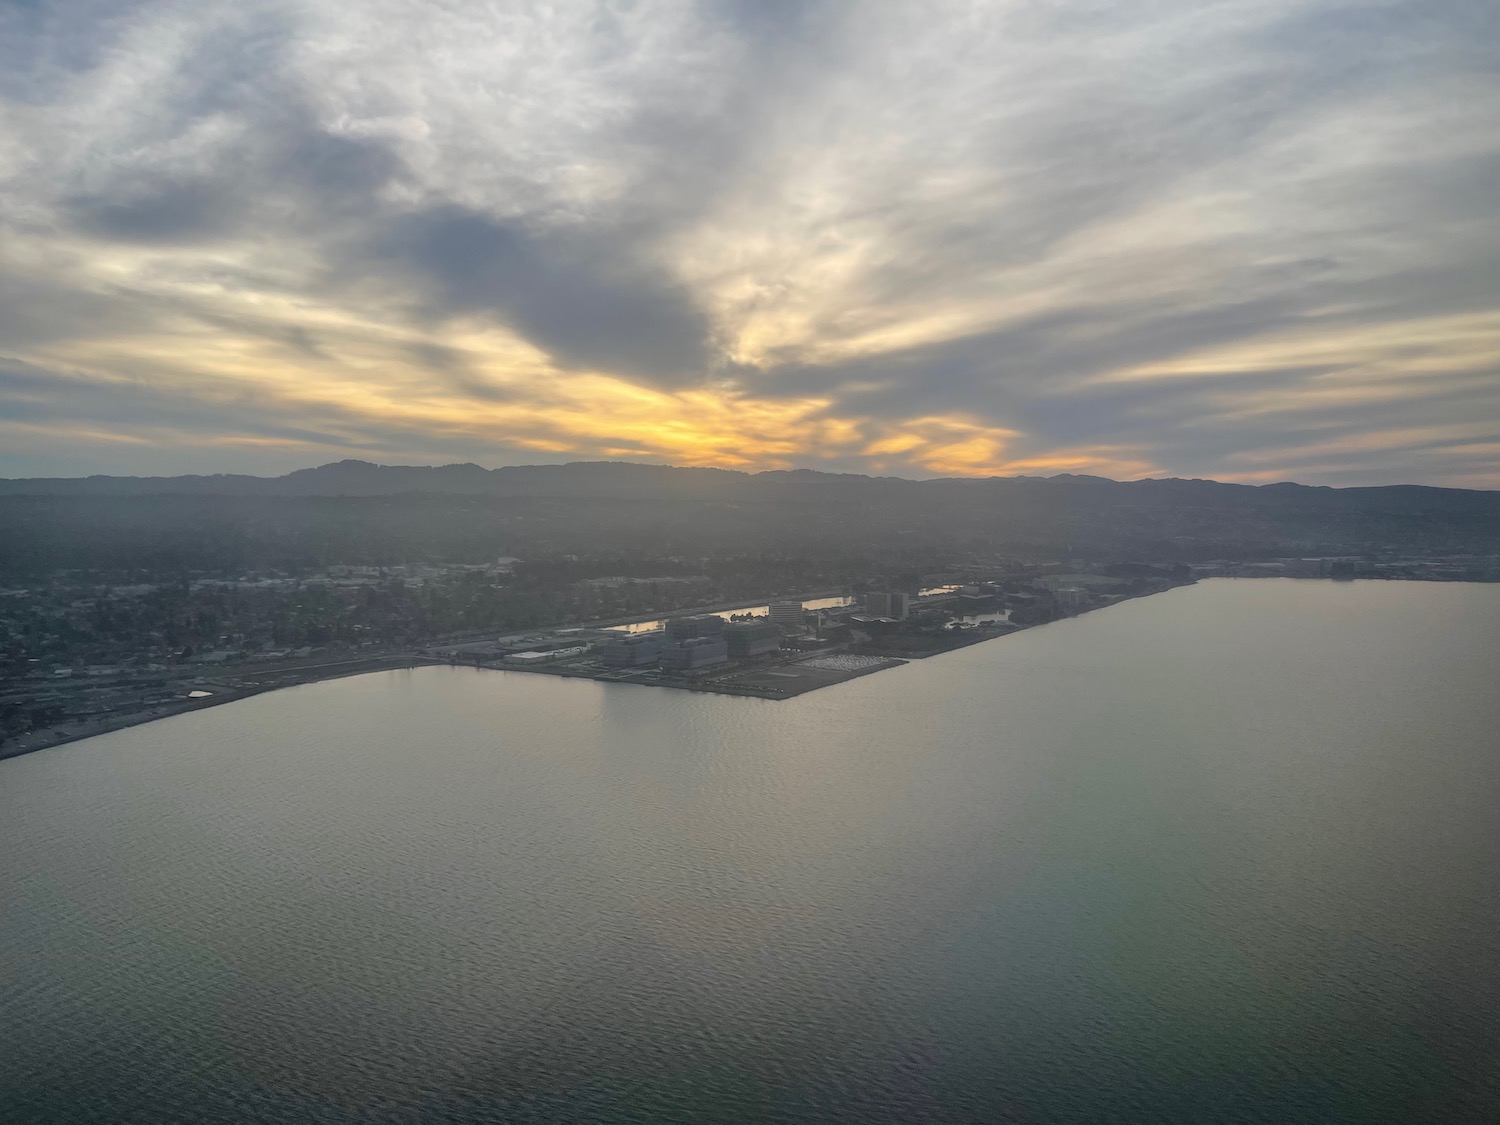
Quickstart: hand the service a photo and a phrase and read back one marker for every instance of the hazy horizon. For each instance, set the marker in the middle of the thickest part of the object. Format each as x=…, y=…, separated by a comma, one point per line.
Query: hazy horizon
x=717, y=468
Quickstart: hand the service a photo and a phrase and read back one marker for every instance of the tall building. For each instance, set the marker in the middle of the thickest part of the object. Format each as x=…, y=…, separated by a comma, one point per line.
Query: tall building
x=1071, y=598
x=892, y=606
x=752, y=638
x=787, y=615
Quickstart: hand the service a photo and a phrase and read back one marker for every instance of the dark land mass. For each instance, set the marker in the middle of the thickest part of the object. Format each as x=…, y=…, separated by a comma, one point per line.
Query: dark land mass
x=124, y=599
x=354, y=512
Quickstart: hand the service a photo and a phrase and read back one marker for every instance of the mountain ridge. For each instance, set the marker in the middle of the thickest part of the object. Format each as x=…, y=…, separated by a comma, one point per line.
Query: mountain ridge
x=358, y=512
x=357, y=477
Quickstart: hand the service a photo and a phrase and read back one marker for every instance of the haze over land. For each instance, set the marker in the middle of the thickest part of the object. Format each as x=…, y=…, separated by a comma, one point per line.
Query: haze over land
x=354, y=512
x=1249, y=240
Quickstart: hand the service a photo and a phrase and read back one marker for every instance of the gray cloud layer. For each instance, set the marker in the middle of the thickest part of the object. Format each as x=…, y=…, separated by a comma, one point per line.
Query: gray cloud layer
x=1246, y=240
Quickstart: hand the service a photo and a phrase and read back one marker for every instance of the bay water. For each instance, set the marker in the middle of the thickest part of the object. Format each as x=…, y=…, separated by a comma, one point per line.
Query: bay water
x=1228, y=853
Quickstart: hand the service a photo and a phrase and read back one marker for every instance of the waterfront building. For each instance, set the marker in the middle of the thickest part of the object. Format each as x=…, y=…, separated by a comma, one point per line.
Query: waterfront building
x=680, y=629
x=787, y=615
x=900, y=605
x=752, y=638
x=694, y=653
x=1070, y=599
x=633, y=650
x=544, y=656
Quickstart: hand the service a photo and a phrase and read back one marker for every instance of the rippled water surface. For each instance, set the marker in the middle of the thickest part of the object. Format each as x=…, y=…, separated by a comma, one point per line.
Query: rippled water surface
x=1231, y=853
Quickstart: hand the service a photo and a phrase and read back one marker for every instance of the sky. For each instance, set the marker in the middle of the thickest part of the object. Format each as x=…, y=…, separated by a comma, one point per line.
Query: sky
x=1253, y=240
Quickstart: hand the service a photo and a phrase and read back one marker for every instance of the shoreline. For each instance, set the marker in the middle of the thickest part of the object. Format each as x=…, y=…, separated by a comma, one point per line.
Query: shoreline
x=274, y=679
x=78, y=730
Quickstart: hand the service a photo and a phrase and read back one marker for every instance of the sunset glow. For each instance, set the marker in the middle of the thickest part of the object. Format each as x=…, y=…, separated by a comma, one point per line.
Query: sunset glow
x=1253, y=241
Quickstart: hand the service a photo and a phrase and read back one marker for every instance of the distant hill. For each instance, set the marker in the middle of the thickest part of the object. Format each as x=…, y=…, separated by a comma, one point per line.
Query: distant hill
x=362, y=478
x=356, y=511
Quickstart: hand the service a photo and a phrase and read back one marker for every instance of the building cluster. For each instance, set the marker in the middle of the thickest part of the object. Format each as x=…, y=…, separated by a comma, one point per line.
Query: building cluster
x=690, y=644
x=693, y=643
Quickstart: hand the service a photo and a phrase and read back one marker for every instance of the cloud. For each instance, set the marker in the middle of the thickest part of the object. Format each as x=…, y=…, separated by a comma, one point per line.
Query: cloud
x=580, y=299
x=1237, y=239
x=183, y=211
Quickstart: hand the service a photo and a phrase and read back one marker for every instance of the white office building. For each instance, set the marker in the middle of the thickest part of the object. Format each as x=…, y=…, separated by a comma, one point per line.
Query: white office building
x=787, y=614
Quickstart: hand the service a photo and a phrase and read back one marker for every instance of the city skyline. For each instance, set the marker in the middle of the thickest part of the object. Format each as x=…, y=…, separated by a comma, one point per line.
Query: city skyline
x=1249, y=242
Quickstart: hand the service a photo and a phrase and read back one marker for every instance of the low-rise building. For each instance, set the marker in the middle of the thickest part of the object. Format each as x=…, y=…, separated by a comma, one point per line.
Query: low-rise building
x=545, y=656
x=694, y=653
x=633, y=650
x=680, y=629
x=752, y=638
